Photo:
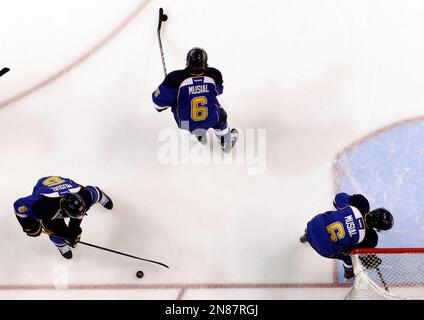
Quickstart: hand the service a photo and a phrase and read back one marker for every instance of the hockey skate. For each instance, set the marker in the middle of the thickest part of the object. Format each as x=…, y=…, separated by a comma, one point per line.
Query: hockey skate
x=202, y=138
x=348, y=272
x=65, y=251
x=105, y=201
x=227, y=146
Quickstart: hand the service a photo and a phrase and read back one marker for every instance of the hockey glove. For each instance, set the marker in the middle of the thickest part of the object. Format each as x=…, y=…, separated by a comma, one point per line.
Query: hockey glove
x=74, y=237
x=33, y=230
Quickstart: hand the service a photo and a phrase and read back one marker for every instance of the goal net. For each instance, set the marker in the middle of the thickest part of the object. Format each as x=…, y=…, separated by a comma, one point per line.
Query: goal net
x=387, y=274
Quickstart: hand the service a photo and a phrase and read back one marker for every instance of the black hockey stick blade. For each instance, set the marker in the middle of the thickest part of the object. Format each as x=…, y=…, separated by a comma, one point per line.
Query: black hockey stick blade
x=162, y=17
x=4, y=71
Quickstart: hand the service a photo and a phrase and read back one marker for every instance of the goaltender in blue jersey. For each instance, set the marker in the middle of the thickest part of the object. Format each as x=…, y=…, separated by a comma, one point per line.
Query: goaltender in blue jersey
x=191, y=94
x=333, y=234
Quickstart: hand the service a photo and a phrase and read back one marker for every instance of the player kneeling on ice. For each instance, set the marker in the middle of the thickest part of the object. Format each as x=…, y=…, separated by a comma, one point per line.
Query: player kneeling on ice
x=192, y=95
x=333, y=234
x=53, y=200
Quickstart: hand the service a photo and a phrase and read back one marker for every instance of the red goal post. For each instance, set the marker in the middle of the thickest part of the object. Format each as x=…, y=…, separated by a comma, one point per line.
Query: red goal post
x=387, y=273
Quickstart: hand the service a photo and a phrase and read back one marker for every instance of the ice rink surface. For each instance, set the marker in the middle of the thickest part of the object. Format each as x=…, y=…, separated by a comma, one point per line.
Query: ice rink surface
x=334, y=86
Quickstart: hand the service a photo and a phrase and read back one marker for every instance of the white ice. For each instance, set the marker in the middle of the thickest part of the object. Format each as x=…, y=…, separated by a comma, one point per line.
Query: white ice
x=317, y=75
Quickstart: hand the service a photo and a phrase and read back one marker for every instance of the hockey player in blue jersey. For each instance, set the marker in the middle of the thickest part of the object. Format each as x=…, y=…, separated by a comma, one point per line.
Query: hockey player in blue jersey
x=333, y=234
x=53, y=200
x=192, y=95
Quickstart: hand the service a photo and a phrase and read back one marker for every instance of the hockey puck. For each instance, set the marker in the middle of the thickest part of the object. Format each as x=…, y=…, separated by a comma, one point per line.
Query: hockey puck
x=140, y=274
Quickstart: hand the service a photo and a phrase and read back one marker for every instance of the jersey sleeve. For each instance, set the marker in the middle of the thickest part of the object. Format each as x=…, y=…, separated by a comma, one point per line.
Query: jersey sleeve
x=165, y=95
x=360, y=202
x=24, y=207
x=341, y=200
x=90, y=194
x=216, y=75
x=23, y=213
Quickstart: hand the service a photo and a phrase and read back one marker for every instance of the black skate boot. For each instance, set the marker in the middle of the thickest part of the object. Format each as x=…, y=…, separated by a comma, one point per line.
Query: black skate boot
x=303, y=238
x=105, y=201
x=348, y=272
x=65, y=251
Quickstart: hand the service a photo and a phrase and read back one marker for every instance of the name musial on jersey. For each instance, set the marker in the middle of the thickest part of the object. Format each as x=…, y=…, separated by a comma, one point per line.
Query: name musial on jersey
x=61, y=187
x=351, y=229
x=198, y=89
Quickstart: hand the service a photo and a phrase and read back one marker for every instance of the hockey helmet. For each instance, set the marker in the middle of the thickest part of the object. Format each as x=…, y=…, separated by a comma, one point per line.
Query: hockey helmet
x=380, y=219
x=197, y=60
x=73, y=205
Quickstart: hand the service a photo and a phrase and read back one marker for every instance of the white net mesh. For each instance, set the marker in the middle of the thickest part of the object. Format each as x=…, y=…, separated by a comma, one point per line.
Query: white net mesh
x=390, y=273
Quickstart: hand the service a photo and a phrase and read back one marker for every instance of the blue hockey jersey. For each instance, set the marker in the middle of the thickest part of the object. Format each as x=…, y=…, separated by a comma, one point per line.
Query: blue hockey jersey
x=43, y=203
x=193, y=99
x=334, y=232
x=55, y=186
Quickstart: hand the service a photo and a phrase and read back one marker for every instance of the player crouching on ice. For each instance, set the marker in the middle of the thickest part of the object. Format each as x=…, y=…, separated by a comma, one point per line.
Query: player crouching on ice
x=333, y=234
x=192, y=95
x=52, y=201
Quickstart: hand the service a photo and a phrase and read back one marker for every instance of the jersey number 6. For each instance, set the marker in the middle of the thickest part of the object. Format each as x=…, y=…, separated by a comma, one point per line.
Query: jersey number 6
x=336, y=231
x=199, y=108
x=52, y=181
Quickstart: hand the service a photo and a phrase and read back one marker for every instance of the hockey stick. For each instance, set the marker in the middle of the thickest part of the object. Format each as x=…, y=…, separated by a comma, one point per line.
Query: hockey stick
x=162, y=17
x=380, y=275
x=110, y=250
x=4, y=71
x=124, y=254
